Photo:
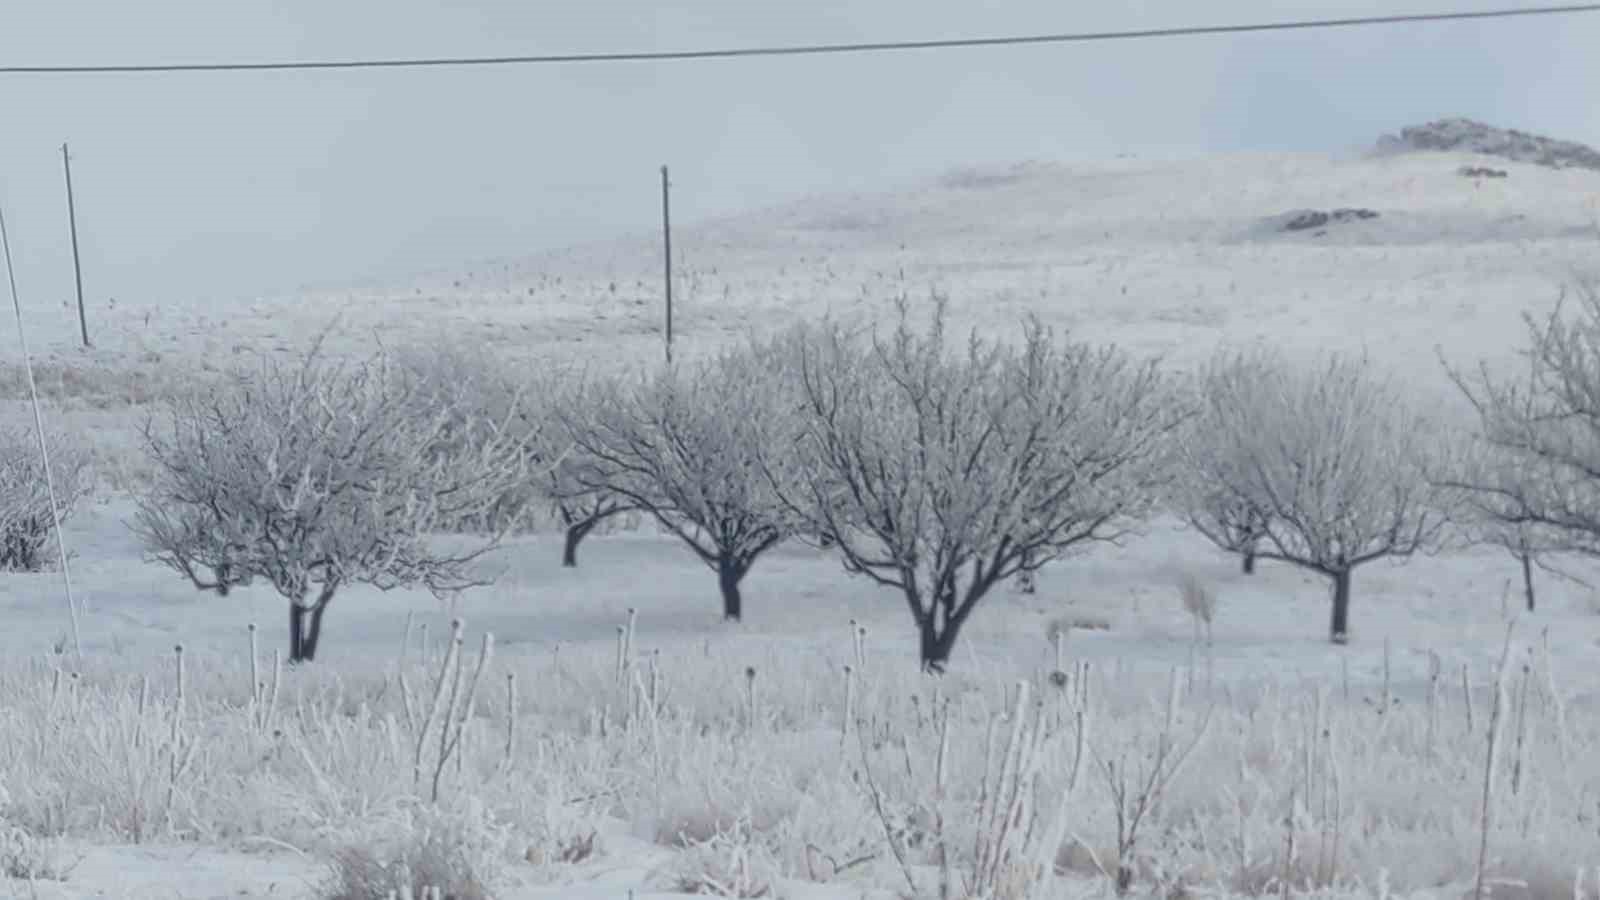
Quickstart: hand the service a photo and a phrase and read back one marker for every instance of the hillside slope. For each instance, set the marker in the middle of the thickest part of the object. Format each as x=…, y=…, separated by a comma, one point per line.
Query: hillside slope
x=1167, y=258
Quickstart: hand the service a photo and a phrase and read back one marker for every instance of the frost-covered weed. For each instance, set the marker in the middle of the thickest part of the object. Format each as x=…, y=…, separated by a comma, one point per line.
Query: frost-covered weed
x=1288, y=785
x=452, y=853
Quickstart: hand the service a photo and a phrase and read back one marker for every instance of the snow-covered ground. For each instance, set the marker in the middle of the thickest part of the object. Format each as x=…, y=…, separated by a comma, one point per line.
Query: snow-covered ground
x=1168, y=258
x=1450, y=612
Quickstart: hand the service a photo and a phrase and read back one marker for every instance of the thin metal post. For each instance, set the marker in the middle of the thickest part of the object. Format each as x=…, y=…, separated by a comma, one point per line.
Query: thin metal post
x=666, y=236
x=77, y=268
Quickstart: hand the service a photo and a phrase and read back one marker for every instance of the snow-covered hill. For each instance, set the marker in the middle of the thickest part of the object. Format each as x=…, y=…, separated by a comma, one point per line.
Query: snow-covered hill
x=1169, y=257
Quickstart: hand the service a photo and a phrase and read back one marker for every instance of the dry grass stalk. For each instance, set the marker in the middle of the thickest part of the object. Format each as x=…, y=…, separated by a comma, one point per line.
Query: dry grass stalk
x=1200, y=602
x=1491, y=765
x=1135, y=798
x=458, y=718
x=426, y=725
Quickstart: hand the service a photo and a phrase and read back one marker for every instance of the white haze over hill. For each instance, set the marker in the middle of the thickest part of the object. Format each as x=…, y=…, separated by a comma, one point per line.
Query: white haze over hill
x=219, y=188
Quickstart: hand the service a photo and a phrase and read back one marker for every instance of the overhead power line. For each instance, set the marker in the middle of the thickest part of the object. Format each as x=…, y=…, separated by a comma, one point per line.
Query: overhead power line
x=801, y=49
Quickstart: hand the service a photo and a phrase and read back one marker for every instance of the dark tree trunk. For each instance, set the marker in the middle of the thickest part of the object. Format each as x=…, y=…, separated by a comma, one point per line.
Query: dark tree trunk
x=305, y=626
x=1527, y=578
x=314, y=632
x=575, y=535
x=1249, y=565
x=1124, y=879
x=728, y=576
x=940, y=624
x=937, y=643
x=297, y=630
x=1339, y=630
x=939, y=627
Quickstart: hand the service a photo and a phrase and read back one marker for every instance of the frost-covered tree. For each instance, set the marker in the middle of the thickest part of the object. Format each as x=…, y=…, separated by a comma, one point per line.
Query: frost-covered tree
x=1235, y=525
x=943, y=471
x=460, y=387
x=472, y=384
x=1327, y=460
x=316, y=474
x=683, y=444
x=580, y=506
x=1492, y=508
x=27, y=521
x=1531, y=478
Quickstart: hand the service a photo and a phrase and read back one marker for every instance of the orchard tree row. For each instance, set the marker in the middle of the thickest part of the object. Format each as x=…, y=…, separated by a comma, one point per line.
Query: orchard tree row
x=935, y=467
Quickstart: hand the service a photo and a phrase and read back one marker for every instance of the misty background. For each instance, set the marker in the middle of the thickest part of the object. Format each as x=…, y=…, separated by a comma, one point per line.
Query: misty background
x=235, y=185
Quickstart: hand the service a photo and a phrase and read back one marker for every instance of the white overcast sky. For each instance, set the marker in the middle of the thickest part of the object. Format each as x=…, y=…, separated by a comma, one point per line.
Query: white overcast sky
x=232, y=185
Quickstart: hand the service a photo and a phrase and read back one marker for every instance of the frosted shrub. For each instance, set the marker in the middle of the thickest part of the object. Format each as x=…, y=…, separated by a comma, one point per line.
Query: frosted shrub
x=27, y=539
x=316, y=474
x=731, y=863
x=1199, y=601
x=426, y=853
x=25, y=857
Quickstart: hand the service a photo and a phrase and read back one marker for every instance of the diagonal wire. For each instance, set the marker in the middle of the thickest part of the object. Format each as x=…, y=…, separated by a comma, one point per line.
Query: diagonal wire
x=44, y=452
x=806, y=49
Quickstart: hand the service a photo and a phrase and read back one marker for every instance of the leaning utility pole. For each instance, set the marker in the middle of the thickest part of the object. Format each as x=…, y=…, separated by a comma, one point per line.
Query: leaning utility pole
x=666, y=235
x=77, y=268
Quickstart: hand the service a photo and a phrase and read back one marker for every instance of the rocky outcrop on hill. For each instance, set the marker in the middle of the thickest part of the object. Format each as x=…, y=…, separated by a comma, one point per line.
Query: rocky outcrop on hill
x=1468, y=136
x=1310, y=219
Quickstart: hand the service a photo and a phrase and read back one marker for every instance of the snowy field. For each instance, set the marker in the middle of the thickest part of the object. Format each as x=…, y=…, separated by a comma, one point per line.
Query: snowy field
x=687, y=773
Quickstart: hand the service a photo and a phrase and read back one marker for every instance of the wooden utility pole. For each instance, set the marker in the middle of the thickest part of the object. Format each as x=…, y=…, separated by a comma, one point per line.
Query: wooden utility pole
x=666, y=235
x=77, y=268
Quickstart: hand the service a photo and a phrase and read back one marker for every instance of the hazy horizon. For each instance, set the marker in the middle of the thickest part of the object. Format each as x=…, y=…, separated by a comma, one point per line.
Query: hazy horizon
x=229, y=185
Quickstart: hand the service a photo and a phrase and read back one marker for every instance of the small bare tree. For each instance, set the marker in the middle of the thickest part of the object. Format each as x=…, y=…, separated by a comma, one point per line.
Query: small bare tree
x=683, y=445
x=1504, y=520
x=942, y=474
x=27, y=521
x=1238, y=525
x=470, y=385
x=581, y=515
x=1530, y=476
x=318, y=474
x=460, y=387
x=1334, y=459
x=1234, y=522
x=581, y=506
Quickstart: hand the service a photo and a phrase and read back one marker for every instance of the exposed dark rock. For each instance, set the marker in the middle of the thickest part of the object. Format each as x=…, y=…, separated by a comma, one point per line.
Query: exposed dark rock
x=1469, y=136
x=1306, y=220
